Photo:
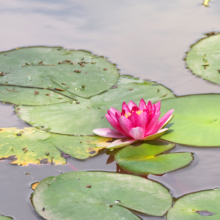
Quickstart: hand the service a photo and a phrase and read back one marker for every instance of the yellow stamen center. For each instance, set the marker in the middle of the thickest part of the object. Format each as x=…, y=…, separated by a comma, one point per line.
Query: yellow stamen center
x=129, y=114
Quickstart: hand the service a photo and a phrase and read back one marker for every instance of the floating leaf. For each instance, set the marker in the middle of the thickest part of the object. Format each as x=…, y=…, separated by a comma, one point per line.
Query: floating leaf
x=99, y=195
x=200, y=206
x=22, y=146
x=65, y=118
x=147, y=158
x=79, y=147
x=31, y=96
x=196, y=120
x=78, y=72
x=28, y=145
x=80, y=118
x=5, y=218
x=203, y=58
x=130, y=88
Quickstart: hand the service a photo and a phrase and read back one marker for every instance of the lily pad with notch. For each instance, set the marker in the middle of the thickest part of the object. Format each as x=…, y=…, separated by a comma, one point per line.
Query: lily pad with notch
x=131, y=88
x=78, y=72
x=32, y=96
x=200, y=205
x=196, y=120
x=147, y=158
x=203, y=58
x=85, y=115
x=103, y=195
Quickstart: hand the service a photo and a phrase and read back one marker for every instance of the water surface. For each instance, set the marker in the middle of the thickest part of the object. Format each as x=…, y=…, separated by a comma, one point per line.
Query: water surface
x=146, y=39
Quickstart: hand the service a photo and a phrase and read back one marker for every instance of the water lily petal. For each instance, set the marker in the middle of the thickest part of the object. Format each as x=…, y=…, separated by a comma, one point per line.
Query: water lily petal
x=149, y=106
x=131, y=104
x=114, y=110
x=120, y=143
x=156, y=135
x=112, y=115
x=125, y=108
x=137, y=133
x=125, y=124
x=152, y=126
x=165, y=119
x=115, y=124
x=107, y=132
x=142, y=105
x=157, y=105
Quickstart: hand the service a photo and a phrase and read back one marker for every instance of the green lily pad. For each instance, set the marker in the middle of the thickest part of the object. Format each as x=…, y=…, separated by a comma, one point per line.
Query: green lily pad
x=203, y=58
x=197, y=206
x=5, y=218
x=196, y=120
x=130, y=88
x=99, y=195
x=31, y=96
x=77, y=72
x=147, y=158
x=65, y=118
x=28, y=145
x=80, y=118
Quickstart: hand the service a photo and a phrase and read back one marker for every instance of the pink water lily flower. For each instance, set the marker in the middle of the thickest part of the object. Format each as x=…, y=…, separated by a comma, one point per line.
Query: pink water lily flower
x=134, y=123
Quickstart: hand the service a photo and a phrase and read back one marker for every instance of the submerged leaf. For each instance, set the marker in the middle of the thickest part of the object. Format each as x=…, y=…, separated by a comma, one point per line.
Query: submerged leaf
x=103, y=196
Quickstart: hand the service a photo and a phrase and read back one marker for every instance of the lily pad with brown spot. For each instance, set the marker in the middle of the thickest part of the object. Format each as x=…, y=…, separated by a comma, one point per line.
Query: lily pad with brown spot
x=29, y=145
x=79, y=147
x=202, y=205
x=203, y=58
x=78, y=72
x=99, y=195
x=32, y=96
x=25, y=146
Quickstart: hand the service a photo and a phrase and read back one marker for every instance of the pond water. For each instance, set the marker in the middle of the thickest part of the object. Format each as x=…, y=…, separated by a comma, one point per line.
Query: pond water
x=146, y=39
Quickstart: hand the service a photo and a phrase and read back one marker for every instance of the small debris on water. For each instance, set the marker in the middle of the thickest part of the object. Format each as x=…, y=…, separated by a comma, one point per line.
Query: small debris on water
x=210, y=33
x=2, y=74
x=36, y=92
x=19, y=134
x=88, y=186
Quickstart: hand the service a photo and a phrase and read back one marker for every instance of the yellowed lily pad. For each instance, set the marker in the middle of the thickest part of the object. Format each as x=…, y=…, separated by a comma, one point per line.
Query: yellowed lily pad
x=28, y=145
x=24, y=146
